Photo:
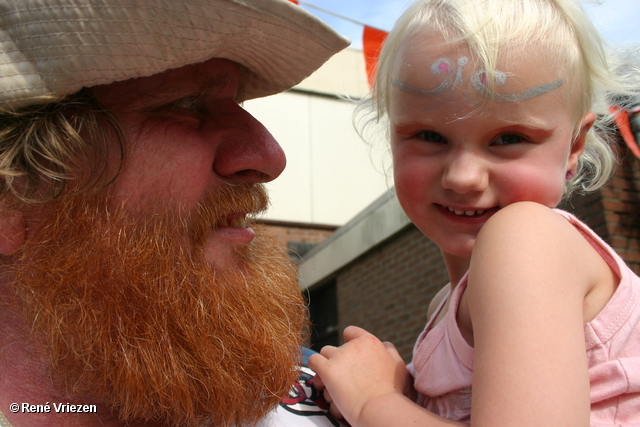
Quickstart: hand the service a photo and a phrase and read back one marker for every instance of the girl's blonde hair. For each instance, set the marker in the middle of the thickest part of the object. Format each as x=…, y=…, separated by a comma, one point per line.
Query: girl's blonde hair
x=491, y=27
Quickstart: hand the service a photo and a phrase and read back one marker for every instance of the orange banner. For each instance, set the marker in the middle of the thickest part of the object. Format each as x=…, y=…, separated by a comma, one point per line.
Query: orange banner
x=621, y=117
x=372, y=40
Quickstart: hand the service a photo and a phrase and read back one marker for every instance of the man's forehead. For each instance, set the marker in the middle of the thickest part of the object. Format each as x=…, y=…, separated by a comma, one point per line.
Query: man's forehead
x=197, y=81
x=201, y=79
x=208, y=77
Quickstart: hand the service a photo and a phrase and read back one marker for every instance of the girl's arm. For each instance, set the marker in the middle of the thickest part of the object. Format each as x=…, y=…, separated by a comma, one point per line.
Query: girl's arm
x=530, y=280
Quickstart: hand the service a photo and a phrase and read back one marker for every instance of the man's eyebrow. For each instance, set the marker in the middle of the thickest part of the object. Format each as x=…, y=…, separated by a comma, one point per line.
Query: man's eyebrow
x=199, y=85
x=211, y=84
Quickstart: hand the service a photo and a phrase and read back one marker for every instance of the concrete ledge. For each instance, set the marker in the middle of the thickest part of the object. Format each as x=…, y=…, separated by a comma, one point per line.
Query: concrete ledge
x=375, y=224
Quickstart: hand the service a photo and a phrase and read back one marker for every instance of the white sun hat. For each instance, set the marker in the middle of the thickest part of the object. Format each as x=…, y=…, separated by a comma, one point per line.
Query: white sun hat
x=50, y=48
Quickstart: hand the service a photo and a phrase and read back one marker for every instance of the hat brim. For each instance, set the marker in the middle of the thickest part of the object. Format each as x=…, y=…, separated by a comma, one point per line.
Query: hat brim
x=54, y=50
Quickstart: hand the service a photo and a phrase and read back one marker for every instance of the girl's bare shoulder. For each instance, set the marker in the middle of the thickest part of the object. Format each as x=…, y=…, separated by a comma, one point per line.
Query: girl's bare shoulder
x=531, y=243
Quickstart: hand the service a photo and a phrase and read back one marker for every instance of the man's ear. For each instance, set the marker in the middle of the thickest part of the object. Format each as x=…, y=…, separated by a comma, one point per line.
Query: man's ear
x=12, y=230
x=577, y=148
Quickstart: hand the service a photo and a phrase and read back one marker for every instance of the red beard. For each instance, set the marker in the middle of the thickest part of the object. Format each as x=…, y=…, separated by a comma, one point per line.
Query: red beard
x=130, y=315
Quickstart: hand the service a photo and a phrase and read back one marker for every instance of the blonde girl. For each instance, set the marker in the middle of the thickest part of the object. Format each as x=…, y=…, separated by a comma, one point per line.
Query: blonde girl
x=490, y=110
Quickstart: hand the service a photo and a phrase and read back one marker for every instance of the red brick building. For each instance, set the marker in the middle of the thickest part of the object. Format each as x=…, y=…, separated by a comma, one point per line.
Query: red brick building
x=299, y=238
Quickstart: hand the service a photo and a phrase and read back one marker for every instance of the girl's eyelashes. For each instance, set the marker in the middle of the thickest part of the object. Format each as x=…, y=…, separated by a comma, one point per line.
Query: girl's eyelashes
x=508, y=139
x=431, y=136
x=503, y=139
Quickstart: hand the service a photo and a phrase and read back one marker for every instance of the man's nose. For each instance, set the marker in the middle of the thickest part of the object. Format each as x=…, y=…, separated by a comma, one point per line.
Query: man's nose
x=247, y=151
x=465, y=172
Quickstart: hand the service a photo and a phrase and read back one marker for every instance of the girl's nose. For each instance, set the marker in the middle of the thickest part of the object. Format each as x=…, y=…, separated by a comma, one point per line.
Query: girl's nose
x=465, y=172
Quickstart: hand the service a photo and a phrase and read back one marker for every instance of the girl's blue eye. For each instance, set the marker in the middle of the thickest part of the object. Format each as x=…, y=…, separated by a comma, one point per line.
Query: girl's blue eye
x=508, y=139
x=431, y=136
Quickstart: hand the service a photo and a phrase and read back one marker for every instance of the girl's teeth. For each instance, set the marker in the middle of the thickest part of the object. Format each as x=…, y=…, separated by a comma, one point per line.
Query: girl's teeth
x=467, y=213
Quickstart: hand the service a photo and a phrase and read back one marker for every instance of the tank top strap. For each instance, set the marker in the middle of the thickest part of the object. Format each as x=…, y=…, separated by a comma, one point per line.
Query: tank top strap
x=612, y=259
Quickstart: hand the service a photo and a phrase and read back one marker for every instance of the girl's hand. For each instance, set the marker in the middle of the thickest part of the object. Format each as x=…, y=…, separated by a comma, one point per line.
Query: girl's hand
x=360, y=372
x=333, y=409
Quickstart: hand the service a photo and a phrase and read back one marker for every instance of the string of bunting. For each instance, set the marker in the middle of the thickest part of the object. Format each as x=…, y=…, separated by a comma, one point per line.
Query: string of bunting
x=372, y=40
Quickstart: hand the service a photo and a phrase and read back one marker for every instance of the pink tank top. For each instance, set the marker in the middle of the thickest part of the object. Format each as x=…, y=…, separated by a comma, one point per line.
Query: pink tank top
x=442, y=364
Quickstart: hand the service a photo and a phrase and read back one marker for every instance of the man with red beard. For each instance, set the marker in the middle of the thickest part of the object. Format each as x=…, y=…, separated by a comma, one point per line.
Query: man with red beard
x=136, y=289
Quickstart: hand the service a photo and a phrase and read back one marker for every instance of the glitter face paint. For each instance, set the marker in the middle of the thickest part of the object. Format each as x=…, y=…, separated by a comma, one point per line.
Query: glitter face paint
x=443, y=66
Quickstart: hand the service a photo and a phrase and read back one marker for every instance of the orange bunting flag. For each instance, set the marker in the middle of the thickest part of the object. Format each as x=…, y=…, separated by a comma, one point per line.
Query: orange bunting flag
x=372, y=40
x=294, y=2
x=621, y=118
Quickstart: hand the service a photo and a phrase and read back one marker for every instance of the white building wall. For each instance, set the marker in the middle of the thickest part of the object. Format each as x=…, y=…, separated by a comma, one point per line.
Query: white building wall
x=331, y=174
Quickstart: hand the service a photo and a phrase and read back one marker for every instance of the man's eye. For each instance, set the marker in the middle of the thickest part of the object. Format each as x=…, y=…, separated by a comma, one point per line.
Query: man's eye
x=189, y=103
x=431, y=136
x=508, y=139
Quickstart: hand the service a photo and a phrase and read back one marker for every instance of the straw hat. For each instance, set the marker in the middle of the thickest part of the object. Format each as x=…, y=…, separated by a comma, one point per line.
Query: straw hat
x=56, y=47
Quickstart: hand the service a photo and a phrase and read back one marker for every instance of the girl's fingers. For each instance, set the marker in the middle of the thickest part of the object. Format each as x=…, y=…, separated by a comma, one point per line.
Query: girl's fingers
x=316, y=362
x=328, y=350
x=333, y=409
x=392, y=350
x=353, y=332
x=318, y=383
x=335, y=412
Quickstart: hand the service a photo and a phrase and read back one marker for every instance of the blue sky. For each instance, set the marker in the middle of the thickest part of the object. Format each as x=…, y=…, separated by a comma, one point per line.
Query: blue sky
x=617, y=20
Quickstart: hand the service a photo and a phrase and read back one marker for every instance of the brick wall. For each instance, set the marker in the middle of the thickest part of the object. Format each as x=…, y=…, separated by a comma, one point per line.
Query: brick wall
x=388, y=290
x=304, y=233
x=299, y=238
x=613, y=212
x=621, y=203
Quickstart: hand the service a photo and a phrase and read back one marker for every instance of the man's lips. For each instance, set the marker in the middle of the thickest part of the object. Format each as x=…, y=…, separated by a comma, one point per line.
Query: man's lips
x=234, y=228
x=227, y=235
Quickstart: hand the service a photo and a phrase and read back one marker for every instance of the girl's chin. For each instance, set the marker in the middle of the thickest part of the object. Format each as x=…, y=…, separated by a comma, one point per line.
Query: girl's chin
x=462, y=249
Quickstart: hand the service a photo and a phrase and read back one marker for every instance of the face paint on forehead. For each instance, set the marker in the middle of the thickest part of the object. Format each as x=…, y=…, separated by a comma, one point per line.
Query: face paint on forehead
x=441, y=66
x=478, y=82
